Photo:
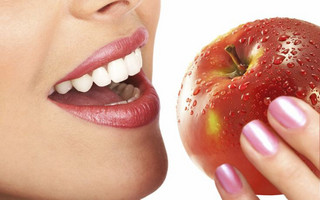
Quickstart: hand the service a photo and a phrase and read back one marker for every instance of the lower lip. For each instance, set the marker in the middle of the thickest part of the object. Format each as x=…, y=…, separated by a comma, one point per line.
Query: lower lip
x=135, y=114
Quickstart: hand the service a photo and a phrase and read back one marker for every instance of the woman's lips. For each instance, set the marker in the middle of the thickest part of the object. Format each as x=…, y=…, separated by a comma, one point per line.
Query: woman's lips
x=112, y=51
x=134, y=114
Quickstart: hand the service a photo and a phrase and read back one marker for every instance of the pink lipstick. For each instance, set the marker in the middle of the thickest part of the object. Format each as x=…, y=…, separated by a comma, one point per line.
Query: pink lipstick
x=88, y=106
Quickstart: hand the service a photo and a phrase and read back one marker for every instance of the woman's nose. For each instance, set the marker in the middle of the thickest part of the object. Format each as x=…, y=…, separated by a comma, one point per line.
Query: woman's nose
x=102, y=9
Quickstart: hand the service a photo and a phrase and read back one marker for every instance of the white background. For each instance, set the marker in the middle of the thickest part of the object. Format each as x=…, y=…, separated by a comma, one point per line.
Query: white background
x=185, y=27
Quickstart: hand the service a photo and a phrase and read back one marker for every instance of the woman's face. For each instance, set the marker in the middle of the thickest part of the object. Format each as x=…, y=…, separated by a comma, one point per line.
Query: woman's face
x=83, y=144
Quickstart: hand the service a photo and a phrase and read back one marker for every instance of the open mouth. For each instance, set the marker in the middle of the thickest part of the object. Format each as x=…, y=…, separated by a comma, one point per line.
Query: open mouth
x=114, y=91
x=104, y=86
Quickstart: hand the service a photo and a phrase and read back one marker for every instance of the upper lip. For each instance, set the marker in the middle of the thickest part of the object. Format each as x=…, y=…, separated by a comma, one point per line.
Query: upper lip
x=112, y=51
x=134, y=114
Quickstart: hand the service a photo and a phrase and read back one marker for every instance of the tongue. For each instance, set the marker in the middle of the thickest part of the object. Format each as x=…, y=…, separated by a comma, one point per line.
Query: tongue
x=95, y=96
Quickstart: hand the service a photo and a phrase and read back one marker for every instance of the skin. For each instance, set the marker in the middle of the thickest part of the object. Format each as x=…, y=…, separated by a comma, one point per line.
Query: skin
x=285, y=169
x=45, y=152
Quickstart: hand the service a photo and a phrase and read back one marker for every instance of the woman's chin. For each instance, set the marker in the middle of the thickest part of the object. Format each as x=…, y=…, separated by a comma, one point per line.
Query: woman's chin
x=132, y=169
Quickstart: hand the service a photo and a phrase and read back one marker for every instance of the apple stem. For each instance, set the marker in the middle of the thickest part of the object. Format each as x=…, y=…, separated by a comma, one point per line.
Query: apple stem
x=241, y=68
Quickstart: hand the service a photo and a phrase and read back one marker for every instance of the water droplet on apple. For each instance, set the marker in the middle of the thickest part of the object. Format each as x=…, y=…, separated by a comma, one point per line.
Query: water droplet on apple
x=258, y=74
x=316, y=77
x=194, y=103
x=267, y=101
x=232, y=113
x=294, y=52
x=300, y=94
x=244, y=86
x=283, y=38
x=242, y=112
x=245, y=97
x=313, y=98
x=196, y=91
x=208, y=84
x=285, y=51
x=243, y=40
x=263, y=62
x=279, y=47
x=198, y=81
x=250, y=39
x=278, y=59
x=291, y=65
x=265, y=31
x=297, y=42
x=269, y=66
x=285, y=84
x=312, y=42
x=303, y=72
x=207, y=53
x=232, y=86
x=289, y=89
x=288, y=72
x=264, y=39
x=312, y=85
x=300, y=62
x=279, y=78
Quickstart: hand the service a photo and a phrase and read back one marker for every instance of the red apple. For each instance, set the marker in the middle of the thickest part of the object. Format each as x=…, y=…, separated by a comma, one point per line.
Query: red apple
x=233, y=80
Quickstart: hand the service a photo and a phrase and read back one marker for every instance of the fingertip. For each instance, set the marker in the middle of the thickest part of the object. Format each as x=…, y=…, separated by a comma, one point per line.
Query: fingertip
x=287, y=112
x=229, y=179
x=231, y=184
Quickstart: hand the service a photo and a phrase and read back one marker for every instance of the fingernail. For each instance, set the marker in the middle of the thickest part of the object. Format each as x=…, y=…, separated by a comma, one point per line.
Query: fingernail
x=261, y=138
x=229, y=179
x=287, y=113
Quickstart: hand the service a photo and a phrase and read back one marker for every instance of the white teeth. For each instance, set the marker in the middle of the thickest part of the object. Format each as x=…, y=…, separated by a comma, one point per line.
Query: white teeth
x=101, y=77
x=133, y=63
x=118, y=70
x=63, y=87
x=82, y=84
x=112, y=74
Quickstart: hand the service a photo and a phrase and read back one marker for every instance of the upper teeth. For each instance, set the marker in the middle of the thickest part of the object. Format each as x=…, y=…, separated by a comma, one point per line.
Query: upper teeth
x=116, y=71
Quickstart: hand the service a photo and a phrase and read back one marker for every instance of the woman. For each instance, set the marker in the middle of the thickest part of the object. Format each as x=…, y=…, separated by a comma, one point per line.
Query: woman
x=79, y=120
x=67, y=129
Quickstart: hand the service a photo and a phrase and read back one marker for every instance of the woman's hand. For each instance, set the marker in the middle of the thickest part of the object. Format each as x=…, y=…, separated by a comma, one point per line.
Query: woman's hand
x=297, y=125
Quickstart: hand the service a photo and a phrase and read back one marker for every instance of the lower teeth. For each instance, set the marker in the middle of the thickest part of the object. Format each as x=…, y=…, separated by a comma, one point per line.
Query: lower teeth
x=127, y=92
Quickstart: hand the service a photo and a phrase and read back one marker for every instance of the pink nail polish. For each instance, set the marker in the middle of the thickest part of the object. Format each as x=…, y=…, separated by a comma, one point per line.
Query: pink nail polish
x=287, y=112
x=229, y=179
x=261, y=138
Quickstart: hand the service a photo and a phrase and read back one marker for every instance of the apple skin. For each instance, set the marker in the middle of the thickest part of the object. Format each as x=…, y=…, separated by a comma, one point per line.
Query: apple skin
x=283, y=58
